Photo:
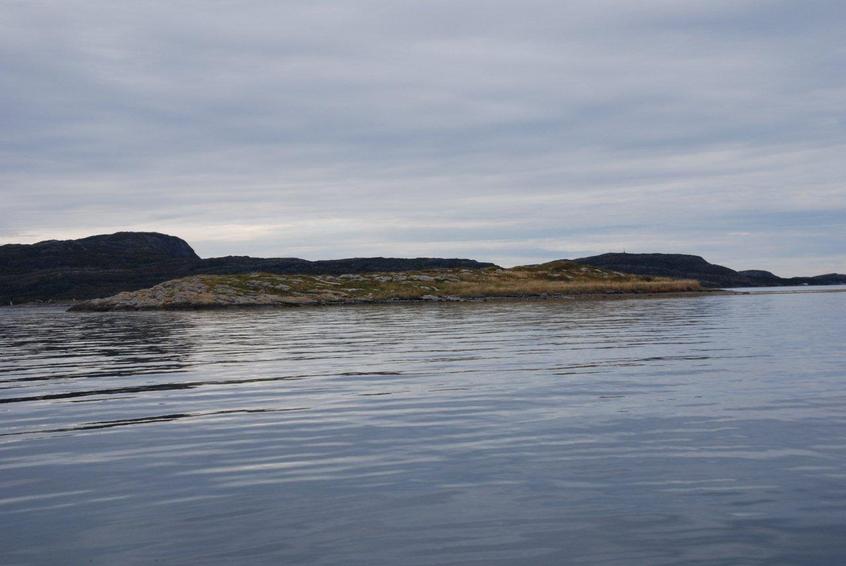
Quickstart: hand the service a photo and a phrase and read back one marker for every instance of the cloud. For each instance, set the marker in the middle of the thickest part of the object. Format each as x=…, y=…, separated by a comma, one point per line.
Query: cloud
x=503, y=131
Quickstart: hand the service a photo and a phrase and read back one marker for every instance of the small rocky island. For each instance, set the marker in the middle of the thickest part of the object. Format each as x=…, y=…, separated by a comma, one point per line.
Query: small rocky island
x=553, y=279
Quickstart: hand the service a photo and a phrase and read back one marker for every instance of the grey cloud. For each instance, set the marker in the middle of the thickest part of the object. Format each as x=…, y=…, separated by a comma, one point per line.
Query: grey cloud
x=504, y=131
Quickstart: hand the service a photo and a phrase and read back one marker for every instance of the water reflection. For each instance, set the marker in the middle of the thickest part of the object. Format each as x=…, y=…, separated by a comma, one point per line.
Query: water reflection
x=47, y=344
x=602, y=432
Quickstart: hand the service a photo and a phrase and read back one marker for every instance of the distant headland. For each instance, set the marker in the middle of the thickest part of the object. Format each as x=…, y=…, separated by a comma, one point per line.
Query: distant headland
x=157, y=266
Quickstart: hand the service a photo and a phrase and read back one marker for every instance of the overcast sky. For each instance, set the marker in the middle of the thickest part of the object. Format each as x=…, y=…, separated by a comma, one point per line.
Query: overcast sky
x=507, y=131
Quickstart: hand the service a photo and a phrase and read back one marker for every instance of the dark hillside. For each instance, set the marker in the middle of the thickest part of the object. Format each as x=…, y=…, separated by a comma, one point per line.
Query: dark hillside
x=121, y=250
x=679, y=266
x=683, y=266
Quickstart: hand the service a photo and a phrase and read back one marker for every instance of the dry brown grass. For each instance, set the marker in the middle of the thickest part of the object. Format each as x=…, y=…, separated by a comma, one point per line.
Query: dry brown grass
x=535, y=287
x=556, y=278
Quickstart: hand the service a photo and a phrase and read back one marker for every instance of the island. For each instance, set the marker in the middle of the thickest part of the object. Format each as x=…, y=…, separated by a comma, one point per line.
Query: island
x=555, y=279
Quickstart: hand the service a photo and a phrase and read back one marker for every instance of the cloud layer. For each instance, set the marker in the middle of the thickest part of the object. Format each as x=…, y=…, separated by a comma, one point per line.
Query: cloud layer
x=504, y=131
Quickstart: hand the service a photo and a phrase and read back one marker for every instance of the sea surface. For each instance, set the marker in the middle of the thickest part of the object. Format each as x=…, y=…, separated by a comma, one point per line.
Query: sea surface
x=695, y=430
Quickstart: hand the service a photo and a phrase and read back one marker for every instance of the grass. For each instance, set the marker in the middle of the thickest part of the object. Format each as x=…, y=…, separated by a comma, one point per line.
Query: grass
x=531, y=287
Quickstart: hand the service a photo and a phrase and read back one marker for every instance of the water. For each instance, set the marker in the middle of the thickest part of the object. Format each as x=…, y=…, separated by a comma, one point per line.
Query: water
x=794, y=289
x=707, y=430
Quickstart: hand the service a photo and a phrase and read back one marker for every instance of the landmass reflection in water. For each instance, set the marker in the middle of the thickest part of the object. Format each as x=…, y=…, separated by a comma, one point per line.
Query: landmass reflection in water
x=657, y=431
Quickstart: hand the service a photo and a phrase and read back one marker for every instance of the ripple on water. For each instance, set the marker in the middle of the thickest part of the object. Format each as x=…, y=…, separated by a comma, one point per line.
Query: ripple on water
x=660, y=431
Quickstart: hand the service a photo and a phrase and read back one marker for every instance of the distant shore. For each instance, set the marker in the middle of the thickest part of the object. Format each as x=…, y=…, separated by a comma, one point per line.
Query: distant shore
x=803, y=291
x=83, y=306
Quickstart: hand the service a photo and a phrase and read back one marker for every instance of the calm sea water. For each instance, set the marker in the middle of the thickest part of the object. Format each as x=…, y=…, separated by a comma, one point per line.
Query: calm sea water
x=707, y=430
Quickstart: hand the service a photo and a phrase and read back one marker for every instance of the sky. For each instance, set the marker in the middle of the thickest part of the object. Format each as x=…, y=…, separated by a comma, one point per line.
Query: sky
x=506, y=131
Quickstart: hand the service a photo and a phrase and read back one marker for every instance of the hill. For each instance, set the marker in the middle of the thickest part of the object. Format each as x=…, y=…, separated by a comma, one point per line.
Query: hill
x=683, y=266
x=114, y=251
